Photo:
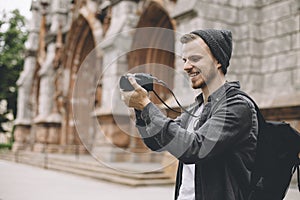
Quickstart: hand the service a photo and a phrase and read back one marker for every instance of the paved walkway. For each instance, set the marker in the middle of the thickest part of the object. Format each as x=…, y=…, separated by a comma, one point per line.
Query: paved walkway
x=19, y=181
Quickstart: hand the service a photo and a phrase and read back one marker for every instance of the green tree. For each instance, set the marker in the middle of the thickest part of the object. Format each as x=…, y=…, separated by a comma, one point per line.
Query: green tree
x=13, y=35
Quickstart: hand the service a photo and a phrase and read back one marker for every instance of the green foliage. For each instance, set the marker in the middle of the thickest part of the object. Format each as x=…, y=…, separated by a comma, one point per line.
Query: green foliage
x=6, y=146
x=12, y=52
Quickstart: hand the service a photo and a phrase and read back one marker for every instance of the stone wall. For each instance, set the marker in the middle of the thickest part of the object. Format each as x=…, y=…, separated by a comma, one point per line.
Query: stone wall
x=266, y=38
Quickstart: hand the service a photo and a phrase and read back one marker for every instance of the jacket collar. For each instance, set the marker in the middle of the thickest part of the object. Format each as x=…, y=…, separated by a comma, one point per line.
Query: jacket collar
x=219, y=93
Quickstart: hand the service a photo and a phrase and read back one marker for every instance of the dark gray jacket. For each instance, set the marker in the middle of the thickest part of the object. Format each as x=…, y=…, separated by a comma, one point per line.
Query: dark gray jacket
x=222, y=145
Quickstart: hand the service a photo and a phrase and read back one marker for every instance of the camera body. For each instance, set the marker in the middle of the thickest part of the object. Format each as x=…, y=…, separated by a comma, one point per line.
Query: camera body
x=143, y=79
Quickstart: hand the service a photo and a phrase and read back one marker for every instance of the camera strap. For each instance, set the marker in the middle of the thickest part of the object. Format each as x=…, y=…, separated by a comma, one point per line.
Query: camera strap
x=166, y=86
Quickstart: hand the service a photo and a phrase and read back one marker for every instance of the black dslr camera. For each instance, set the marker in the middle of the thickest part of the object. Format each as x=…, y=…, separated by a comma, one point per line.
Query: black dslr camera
x=145, y=80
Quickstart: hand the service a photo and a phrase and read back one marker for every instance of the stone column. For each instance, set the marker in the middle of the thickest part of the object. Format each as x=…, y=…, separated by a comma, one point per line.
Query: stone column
x=122, y=19
x=23, y=122
x=48, y=121
x=41, y=134
x=47, y=137
x=54, y=132
x=21, y=137
x=46, y=93
x=24, y=112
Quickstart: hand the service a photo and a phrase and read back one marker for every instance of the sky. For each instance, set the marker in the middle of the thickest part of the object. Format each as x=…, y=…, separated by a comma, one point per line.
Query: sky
x=22, y=5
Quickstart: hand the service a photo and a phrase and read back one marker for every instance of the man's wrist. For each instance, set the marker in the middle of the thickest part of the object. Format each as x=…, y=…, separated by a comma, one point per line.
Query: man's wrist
x=145, y=103
x=142, y=104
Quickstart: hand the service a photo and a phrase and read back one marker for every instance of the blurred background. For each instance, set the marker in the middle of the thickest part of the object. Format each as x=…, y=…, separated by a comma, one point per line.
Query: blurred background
x=61, y=60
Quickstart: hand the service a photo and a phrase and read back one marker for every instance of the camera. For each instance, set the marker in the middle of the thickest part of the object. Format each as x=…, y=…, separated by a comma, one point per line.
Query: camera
x=143, y=79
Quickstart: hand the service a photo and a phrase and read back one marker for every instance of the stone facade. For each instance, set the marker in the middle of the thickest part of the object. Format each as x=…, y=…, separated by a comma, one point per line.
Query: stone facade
x=78, y=50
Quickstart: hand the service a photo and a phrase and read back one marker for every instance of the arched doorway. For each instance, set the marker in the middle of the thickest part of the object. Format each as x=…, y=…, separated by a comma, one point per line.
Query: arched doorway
x=152, y=51
x=80, y=43
x=153, y=46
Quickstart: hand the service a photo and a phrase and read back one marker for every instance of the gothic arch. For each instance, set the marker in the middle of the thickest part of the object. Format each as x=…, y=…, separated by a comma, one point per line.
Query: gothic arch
x=79, y=45
x=161, y=51
x=93, y=23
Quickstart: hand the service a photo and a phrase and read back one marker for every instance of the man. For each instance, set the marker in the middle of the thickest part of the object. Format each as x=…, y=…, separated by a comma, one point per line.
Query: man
x=215, y=150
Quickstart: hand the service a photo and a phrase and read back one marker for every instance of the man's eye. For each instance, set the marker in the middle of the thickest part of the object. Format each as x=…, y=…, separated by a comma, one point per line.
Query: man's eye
x=184, y=60
x=195, y=58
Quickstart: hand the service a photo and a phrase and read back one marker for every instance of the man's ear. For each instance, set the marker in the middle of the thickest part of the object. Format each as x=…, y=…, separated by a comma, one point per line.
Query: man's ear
x=219, y=66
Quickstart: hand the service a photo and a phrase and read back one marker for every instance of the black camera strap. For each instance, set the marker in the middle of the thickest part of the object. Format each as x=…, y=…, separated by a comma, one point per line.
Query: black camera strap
x=166, y=86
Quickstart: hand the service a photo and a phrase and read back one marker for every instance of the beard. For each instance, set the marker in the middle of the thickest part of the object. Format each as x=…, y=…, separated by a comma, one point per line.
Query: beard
x=204, y=78
x=200, y=83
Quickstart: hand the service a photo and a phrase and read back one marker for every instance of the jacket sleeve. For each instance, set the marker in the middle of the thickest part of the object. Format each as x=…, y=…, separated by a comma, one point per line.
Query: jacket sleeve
x=148, y=129
x=228, y=124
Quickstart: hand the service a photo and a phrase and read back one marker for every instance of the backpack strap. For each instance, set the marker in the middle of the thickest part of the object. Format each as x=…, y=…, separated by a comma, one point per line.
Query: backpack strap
x=298, y=177
x=235, y=91
x=255, y=179
x=296, y=167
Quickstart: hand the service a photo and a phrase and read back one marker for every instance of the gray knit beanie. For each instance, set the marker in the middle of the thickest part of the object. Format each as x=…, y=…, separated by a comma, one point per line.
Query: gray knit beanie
x=219, y=43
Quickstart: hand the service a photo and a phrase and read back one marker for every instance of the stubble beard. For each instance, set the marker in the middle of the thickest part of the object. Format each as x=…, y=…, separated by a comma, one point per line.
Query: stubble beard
x=202, y=82
x=199, y=84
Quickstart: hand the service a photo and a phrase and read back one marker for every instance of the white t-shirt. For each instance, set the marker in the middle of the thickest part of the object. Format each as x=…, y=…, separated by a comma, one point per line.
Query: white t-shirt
x=187, y=188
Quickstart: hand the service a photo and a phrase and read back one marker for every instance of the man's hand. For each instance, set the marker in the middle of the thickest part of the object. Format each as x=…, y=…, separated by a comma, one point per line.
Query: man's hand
x=138, y=98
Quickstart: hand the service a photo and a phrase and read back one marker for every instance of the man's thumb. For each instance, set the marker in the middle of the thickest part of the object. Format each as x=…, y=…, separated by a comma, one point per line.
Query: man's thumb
x=133, y=82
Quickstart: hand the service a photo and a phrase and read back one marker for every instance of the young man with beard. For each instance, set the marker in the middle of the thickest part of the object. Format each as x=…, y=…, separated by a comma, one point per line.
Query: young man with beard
x=215, y=150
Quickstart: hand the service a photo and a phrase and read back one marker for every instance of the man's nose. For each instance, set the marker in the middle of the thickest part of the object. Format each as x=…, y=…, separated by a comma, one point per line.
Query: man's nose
x=187, y=66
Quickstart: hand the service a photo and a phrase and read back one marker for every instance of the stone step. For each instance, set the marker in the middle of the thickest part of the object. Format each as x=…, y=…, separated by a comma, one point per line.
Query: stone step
x=8, y=157
x=113, y=154
x=88, y=162
x=112, y=178
x=37, y=161
x=126, y=173
x=107, y=170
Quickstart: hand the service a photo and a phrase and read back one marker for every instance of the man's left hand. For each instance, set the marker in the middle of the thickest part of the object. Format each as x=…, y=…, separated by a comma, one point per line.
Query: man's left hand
x=138, y=98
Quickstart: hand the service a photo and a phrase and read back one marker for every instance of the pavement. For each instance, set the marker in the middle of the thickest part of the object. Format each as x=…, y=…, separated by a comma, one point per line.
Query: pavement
x=24, y=182
x=19, y=181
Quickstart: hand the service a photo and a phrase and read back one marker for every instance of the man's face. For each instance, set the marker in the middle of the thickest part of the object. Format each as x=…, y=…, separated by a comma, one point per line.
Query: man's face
x=199, y=63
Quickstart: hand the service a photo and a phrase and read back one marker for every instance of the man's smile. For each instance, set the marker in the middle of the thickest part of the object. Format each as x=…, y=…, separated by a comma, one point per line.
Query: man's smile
x=193, y=74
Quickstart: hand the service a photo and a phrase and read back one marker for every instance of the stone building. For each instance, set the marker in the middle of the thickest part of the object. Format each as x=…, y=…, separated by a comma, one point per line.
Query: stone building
x=77, y=50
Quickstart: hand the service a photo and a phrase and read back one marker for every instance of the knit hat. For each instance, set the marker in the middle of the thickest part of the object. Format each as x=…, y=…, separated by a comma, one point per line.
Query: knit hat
x=219, y=43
